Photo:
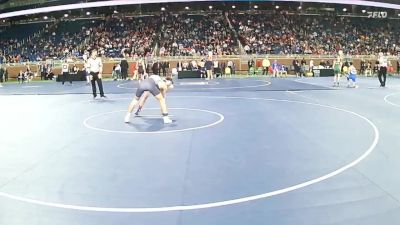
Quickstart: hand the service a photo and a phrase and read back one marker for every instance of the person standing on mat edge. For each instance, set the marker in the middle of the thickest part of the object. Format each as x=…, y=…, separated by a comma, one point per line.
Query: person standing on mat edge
x=65, y=72
x=141, y=67
x=86, y=68
x=398, y=65
x=383, y=65
x=275, y=68
x=209, y=67
x=96, y=69
x=296, y=66
x=2, y=73
x=158, y=87
x=124, y=67
x=352, y=76
x=337, y=68
x=266, y=64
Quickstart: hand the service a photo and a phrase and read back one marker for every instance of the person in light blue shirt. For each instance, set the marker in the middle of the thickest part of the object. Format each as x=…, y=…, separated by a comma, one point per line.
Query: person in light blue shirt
x=275, y=68
x=352, y=76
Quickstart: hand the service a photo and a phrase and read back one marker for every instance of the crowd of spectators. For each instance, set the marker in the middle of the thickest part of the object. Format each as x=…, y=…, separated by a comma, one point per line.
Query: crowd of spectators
x=111, y=36
x=198, y=35
x=49, y=42
x=282, y=33
x=133, y=36
x=189, y=35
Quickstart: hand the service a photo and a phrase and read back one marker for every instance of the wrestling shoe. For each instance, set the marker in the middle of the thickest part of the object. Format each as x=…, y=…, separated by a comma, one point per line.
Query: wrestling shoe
x=127, y=118
x=138, y=111
x=167, y=120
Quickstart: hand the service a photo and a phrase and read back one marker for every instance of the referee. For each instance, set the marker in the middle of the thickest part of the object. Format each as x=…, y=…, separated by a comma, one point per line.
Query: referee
x=95, y=67
x=65, y=73
x=383, y=65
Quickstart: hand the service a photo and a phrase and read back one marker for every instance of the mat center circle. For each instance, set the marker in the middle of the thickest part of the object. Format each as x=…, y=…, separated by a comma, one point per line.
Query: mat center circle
x=150, y=121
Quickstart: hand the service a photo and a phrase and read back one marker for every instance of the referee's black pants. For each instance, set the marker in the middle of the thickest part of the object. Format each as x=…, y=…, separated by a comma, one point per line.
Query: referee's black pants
x=124, y=74
x=265, y=70
x=66, y=75
x=382, y=75
x=95, y=77
x=42, y=75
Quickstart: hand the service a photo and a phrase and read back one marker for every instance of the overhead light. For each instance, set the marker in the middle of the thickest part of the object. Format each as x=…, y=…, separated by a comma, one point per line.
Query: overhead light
x=364, y=11
x=187, y=7
x=256, y=6
x=115, y=11
x=210, y=7
x=344, y=10
x=300, y=7
x=45, y=17
x=277, y=7
x=87, y=13
x=233, y=7
x=162, y=9
x=66, y=15
x=398, y=14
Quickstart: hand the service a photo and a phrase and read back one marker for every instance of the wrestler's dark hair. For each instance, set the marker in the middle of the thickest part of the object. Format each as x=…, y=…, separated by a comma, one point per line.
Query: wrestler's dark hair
x=170, y=79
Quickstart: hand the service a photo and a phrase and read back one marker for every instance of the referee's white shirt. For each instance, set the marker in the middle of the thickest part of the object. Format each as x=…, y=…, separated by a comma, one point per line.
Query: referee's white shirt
x=383, y=61
x=95, y=65
x=65, y=68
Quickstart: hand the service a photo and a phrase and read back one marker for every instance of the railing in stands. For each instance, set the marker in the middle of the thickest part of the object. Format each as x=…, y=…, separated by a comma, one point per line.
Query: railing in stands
x=242, y=58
